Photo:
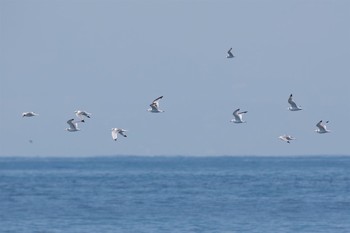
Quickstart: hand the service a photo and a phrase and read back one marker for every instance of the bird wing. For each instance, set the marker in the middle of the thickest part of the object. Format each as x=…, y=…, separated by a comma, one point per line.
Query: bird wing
x=154, y=106
x=229, y=52
x=86, y=114
x=121, y=131
x=283, y=138
x=72, y=125
x=79, y=115
x=321, y=126
x=291, y=102
x=240, y=115
x=114, y=134
x=236, y=115
x=156, y=101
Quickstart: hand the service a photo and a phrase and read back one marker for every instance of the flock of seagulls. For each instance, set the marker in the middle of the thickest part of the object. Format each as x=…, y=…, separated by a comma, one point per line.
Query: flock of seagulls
x=154, y=108
x=321, y=127
x=82, y=115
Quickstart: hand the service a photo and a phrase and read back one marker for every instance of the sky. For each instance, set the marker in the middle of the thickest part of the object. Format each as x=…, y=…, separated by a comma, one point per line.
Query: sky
x=112, y=58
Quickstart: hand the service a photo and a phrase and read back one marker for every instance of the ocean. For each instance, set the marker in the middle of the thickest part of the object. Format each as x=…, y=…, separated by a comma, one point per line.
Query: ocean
x=175, y=194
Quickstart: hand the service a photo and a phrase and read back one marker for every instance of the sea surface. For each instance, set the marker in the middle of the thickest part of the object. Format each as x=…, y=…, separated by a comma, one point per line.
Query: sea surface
x=175, y=194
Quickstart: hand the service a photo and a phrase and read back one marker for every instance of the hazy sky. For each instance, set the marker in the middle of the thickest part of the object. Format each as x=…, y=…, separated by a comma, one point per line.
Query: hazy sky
x=112, y=58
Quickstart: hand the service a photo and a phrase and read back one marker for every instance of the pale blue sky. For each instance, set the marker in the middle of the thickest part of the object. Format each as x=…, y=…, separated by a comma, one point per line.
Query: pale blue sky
x=112, y=58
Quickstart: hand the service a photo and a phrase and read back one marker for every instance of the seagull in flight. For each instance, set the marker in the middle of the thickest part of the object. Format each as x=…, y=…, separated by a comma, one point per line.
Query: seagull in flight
x=29, y=114
x=322, y=127
x=293, y=105
x=155, y=106
x=286, y=138
x=229, y=54
x=82, y=114
x=116, y=131
x=73, y=126
x=238, y=116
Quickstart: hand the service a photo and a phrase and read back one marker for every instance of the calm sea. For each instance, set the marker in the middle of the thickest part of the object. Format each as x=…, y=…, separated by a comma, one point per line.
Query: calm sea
x=175, y=194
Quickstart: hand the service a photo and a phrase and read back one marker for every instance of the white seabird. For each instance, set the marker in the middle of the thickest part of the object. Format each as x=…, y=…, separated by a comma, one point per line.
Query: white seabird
x=293, y=105
x=82, y=114
x=322, y=127
x=116, y=131
x=155, y=106
x=73, y=125
x=286, y=138
x=229, y=54
x=29, y=114
x=238, y=116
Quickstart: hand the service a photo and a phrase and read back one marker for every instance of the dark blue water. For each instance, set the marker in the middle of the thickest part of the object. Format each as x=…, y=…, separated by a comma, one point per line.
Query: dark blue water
x=175, y=194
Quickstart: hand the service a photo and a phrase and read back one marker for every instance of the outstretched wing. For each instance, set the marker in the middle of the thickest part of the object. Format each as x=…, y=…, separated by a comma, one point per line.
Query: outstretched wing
x=155, y=104
x=122, y=132
x=85, y=114
x=240, y=114
x=72, y=125
x=114, y=134
x=321, y=126
x=79, y=115
x=291, y=101
x=236, y=115
x=82, y=114
x=230, y=53
x=157, y=100
x=283, y=138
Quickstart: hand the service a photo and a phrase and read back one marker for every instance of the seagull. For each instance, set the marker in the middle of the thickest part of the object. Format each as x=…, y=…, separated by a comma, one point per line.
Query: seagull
x=293, y=105
x=82, y=114
x=29, y=114
x=229, y=54
x=286, y=138
x=322, y=127
x=73, y=126
x=155, y=106
x=115, y=132
x=238, y=116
